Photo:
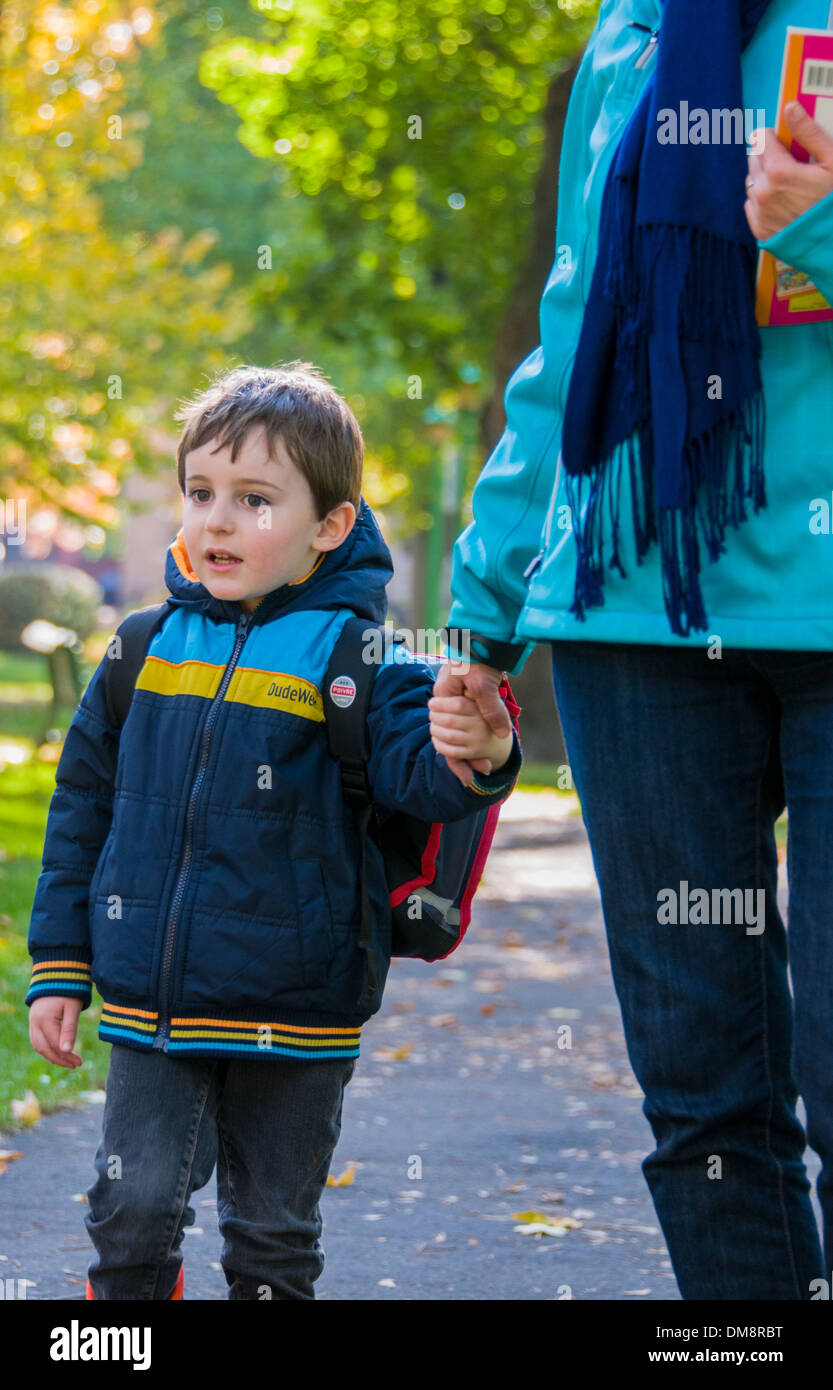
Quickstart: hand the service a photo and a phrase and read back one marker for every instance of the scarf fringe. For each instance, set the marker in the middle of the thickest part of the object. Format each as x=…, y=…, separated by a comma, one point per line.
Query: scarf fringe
x=722, y=467
x=719, y=271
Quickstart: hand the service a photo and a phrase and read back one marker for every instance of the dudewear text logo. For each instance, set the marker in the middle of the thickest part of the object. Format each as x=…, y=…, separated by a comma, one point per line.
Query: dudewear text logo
x=725, y=125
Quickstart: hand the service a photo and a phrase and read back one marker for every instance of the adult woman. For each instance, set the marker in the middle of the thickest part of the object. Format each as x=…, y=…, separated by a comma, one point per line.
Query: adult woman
x=694, y=701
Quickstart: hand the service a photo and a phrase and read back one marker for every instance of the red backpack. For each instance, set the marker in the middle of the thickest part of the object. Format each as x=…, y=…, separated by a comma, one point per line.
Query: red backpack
x=433, y=868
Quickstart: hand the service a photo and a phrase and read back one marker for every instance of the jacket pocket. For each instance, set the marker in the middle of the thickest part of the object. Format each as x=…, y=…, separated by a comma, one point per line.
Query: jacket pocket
x=98, y=871
x=315, y=920
x=258, y=945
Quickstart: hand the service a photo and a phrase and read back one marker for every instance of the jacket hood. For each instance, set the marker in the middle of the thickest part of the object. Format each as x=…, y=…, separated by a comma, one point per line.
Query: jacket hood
x=354, y=575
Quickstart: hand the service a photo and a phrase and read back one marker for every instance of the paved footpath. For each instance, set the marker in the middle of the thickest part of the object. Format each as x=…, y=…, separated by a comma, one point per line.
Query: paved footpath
x=463, y=1111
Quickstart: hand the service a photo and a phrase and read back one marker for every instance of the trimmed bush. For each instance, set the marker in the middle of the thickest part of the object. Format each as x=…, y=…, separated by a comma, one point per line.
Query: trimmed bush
x=62, y=594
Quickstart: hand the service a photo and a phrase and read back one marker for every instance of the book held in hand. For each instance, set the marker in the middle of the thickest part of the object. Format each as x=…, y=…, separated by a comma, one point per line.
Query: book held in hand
x=784, y=293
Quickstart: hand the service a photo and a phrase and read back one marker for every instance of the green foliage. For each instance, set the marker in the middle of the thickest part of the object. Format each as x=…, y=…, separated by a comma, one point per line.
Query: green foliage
x=410, y=135
x=156, y=234
x=98, y=330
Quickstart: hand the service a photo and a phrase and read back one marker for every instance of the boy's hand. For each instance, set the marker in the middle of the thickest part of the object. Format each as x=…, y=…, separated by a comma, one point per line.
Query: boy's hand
x=53, y=1023
x=480, y=683
x=459, y=731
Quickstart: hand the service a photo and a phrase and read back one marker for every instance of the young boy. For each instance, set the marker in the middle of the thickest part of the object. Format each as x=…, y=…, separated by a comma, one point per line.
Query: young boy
x=201, y=866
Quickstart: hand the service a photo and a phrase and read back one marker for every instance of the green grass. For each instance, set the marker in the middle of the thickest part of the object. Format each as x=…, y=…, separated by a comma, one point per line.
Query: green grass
x=23, y=1068
x=540, y=777
x=25, y=792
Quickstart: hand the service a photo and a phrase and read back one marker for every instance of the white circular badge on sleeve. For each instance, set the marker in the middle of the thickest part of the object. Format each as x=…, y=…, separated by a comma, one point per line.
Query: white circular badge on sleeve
x=343, y=691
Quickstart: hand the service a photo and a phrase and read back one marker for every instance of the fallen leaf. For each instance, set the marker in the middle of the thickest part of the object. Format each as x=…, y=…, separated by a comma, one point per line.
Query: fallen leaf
x=6, y=1155
x=515, y=1187
x=539, y=1223
x=344, y=1179
x=488, y=1008
x=79, y=1196
x=540, y=1228
x=512, y=941
x=443, y=1020
x=393, y=1054
x=27, y=1110
x=403, y=1006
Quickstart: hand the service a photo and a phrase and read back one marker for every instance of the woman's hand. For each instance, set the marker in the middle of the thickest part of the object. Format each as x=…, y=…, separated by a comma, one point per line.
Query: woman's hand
x=782, y=187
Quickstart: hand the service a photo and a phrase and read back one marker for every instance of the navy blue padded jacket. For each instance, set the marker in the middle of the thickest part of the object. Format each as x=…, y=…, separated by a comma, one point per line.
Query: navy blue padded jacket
x=201, y=867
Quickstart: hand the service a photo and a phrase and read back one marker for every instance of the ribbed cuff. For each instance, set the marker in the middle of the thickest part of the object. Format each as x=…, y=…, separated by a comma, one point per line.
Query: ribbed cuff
x=465, y=645
x=61, y=971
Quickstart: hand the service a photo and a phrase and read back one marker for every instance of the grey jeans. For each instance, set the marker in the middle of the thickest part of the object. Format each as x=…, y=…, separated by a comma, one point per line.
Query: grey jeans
x=271, y=1128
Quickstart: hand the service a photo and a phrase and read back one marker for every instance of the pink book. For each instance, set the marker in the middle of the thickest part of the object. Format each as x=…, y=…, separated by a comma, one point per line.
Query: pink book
x=784, y=294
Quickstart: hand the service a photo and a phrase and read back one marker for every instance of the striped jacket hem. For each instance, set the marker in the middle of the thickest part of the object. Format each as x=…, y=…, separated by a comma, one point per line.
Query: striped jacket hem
x=209, y=1033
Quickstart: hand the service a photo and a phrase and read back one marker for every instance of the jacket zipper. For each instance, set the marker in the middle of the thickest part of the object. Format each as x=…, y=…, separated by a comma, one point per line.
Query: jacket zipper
x=646, y=52
x=160, y=1041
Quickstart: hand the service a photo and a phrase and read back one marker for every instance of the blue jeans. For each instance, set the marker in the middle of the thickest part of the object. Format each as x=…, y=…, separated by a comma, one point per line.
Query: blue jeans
x=270, y=1126
x=682, y=765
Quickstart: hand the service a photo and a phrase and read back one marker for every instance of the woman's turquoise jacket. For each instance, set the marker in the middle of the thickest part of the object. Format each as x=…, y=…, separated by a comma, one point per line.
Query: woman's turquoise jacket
x=513, y=568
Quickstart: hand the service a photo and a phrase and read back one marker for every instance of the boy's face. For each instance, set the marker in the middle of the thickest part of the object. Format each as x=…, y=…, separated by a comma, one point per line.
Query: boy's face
x=259, y=510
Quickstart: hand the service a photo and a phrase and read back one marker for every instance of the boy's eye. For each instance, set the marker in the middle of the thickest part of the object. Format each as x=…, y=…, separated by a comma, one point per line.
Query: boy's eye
x=252, y=497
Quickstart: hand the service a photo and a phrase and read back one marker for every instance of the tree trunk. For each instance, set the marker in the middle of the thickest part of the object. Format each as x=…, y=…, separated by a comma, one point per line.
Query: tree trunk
x=519, y=331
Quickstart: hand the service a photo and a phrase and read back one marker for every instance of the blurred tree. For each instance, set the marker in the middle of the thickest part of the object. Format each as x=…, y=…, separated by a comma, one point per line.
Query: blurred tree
x=99, y=331
x=374, y=191
x=417, y=145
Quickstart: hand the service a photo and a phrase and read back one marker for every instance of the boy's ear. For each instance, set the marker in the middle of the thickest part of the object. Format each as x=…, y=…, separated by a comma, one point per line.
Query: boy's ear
x=336, y=526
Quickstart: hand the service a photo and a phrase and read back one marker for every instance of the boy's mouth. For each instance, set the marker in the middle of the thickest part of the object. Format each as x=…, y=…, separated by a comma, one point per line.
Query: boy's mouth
x=222, y=559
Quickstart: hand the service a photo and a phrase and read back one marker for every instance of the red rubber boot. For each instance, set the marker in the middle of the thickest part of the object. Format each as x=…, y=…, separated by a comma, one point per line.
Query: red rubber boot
x=178, y=1286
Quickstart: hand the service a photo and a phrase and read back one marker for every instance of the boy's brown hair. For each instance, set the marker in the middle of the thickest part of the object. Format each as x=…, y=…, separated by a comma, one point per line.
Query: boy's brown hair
x=297, y=405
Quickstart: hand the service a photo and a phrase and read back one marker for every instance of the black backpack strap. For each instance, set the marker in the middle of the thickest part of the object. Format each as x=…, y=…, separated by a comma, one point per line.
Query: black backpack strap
x=347, y=701
x=123, y=667
x=348, y=684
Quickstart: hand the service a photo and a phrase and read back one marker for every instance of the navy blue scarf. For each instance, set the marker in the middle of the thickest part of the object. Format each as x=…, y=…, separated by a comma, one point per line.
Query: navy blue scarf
x=667, y=370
